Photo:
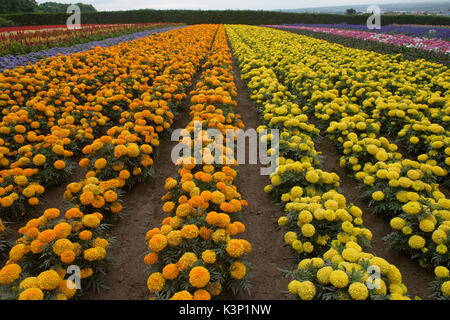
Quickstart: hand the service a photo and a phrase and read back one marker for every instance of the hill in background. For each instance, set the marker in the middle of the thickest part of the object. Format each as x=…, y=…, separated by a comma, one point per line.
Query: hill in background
x=429, y=7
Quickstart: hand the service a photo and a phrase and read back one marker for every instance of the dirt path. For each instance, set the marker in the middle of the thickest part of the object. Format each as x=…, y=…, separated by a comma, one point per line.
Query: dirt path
x=415, y=277
x=260, y=217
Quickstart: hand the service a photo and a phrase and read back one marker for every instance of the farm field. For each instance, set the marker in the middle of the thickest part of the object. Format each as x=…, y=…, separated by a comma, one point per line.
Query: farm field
x=356, y=208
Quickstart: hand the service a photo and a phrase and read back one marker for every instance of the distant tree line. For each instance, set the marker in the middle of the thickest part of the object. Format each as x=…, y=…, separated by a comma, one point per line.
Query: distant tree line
x=29, y=6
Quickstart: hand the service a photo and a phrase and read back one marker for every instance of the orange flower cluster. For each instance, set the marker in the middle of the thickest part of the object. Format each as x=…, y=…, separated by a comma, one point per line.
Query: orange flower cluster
x=194, y=254
x=114, y=162
x=56, y=107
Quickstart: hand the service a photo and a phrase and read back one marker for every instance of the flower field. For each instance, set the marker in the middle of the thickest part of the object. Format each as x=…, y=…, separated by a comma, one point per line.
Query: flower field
x=90, y=124
x=396, y=36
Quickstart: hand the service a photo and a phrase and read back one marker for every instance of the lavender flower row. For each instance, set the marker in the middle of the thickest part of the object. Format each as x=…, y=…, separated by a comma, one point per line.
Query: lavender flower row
x=414, y=31
x=11, y=62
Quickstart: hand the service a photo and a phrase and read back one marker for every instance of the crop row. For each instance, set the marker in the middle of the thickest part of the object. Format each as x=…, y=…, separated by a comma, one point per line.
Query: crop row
x=322, y=229
x=115, y=159
x=195, y=254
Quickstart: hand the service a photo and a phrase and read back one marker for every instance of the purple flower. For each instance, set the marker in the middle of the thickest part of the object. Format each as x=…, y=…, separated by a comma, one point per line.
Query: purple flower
x=11, y=62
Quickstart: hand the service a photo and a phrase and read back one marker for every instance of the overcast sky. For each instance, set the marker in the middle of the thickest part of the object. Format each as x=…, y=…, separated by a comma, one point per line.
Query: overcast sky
x=109, y=5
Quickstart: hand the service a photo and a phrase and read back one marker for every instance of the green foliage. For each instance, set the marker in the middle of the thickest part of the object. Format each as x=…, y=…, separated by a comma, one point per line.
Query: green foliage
x=251, y=17
x=55, y=7
x=5, y=22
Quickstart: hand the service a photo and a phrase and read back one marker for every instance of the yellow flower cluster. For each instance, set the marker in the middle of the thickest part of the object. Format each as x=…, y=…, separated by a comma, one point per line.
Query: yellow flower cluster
x=347, y=108
x=194, y=255
x=114, y=161
x=321, y=225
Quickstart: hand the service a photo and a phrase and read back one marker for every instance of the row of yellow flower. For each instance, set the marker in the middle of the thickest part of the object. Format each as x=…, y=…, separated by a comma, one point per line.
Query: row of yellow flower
x=52, y=109
x=322, y=228
x=195, y=254
x=402, y=189
x=38, y=263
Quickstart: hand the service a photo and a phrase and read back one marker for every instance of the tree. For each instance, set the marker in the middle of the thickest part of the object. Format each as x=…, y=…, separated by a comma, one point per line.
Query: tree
x=350, y=11
x=13, y=6
x=55, y=7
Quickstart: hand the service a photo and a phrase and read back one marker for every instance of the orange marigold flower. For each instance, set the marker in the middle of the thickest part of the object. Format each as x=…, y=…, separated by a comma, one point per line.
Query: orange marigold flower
x=182, y=295
x=67, y=256
x=59, y=164
x=85, y=235
x=202, y=294
x=170, y=271
x=62, y=230
x=47, y=236
x=151, y=258
x=199, y=277
x=31, y=294
x=9, y=273
x=190, y=231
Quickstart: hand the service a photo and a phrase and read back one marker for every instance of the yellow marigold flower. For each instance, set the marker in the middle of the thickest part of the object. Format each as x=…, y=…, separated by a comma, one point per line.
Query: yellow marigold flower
x=182, y=295
x=416, y=242
x=100, y=242
x=209, y=256
x=441, y=272
x=397, y=223
x=155, y=282
x=30, y=282
x=378, y=195
x=306, y=290
x=358, y=291
x=339, y=278
x=62, y=245
x=158, y=242
x=91, y=221
x=323, y=274
x=445, y=288
x=235, y=248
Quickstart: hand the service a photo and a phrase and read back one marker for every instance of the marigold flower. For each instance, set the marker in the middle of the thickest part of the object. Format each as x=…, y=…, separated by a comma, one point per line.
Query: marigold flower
x=48, y=280
x=155, y=282
x=9, y=273
x=31, y=294
x=199, y=277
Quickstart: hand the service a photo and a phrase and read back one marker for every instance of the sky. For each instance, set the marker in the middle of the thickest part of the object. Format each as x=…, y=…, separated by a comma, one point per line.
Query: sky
x=111, y=5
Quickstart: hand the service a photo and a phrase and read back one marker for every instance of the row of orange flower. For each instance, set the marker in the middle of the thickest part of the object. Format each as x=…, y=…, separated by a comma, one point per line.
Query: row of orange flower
x=195, y=254
x=52, y=109
x=38, y=263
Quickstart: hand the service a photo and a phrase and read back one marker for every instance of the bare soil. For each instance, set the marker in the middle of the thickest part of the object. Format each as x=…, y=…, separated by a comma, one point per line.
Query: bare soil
x=269, y=252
